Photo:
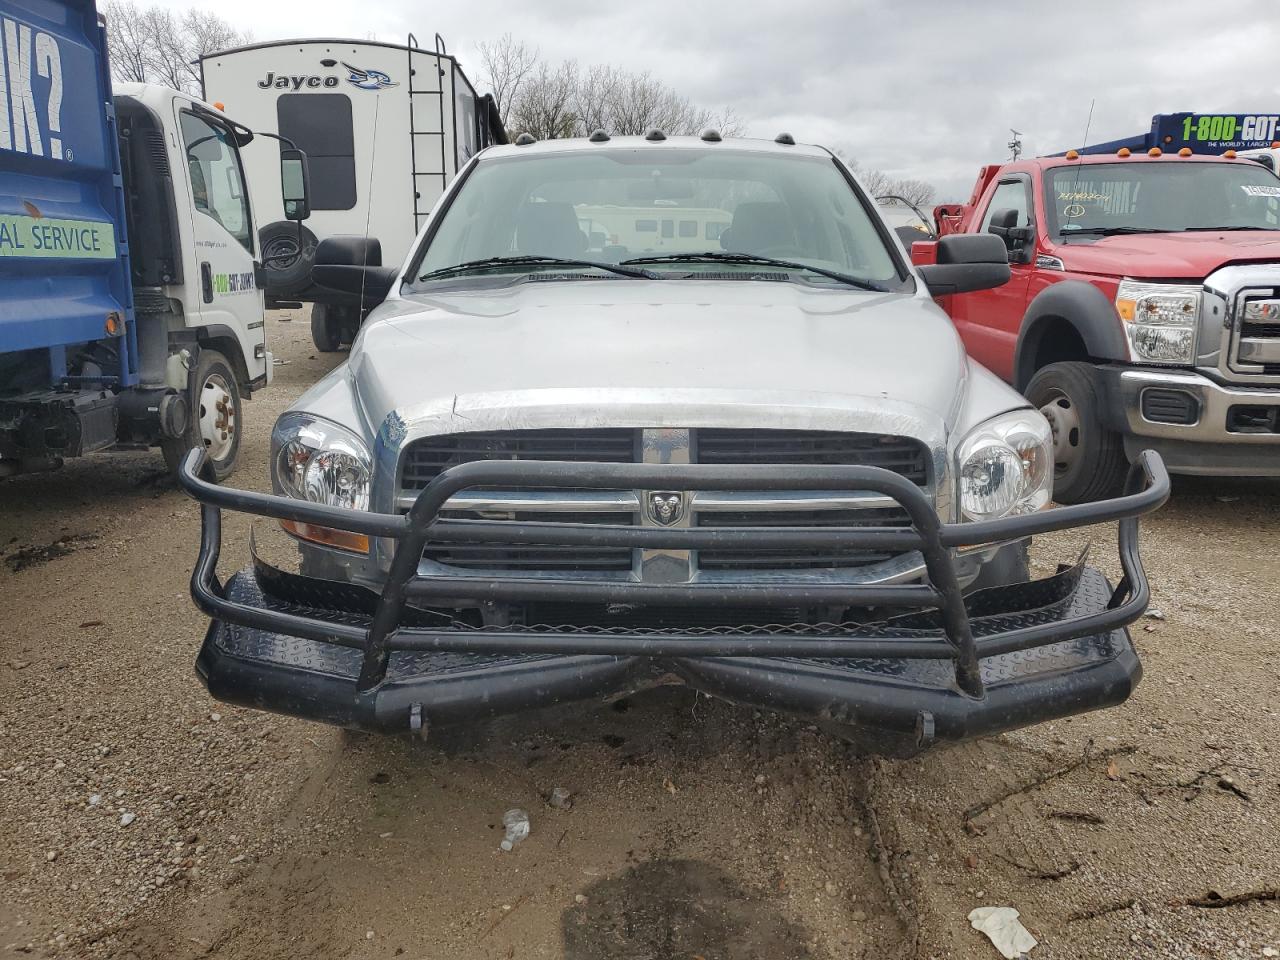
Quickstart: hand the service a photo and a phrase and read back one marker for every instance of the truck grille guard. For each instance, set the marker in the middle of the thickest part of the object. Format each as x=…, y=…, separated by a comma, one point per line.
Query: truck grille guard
x=942, y=629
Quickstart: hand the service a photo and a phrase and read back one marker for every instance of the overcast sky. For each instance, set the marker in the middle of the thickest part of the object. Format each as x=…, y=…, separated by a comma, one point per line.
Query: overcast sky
x=920, y=88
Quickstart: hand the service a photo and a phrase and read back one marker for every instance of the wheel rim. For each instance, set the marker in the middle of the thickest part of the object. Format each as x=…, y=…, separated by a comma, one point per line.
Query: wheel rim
x=217, y=417
x=1064, y=421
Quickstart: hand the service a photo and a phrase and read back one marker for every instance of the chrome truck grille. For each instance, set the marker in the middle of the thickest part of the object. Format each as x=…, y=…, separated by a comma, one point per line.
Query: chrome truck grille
x=1244, y=304
x=424, y=459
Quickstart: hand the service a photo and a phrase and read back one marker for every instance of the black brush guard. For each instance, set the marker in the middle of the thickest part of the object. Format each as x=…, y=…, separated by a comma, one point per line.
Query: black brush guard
x=960, y=666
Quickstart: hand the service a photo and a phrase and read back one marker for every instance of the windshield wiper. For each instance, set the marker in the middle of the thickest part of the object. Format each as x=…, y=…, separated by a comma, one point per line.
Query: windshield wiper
x=1224, y=229
x=1108, y=231
x=724, y=256
x=534, y=260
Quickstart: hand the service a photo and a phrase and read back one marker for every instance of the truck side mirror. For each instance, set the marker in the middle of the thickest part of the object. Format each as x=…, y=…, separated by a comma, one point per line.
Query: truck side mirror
x=295, y=184
x=962, y=263
x=350, y=268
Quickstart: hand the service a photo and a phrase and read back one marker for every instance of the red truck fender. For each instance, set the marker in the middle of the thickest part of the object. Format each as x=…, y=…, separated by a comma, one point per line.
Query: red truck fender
x=1062, y=318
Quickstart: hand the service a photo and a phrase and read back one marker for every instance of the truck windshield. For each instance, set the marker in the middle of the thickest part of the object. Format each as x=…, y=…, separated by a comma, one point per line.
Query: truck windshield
x=1165, y=196
x=680, y=212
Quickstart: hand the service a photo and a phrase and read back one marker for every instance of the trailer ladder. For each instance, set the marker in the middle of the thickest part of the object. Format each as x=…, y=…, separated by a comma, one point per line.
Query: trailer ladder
x=425, y=150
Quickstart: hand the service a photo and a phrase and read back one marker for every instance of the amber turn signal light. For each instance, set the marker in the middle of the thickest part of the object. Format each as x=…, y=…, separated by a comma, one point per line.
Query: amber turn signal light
x=327, y=536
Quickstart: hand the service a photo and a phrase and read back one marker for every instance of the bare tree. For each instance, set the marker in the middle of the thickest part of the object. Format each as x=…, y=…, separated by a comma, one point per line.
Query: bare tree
x=206, y=33
x=879, y=184
x=129, y=41
x=568, y=101
x=153, y=45
x=545, y=107
x=594, y=96
x=916, y=191
x=507, y=64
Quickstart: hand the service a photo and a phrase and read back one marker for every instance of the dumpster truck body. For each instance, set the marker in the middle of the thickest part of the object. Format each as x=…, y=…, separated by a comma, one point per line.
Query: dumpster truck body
x=131, y=309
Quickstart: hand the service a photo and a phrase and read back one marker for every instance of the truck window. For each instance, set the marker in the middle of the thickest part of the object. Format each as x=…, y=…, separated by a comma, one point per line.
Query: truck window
x=320, y=124
x=1165, y=196
x=1010, y=195
x=217, y=182
x=785, y=206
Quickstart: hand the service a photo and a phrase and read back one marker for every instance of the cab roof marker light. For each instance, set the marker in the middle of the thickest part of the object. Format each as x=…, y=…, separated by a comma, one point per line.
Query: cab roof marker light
x=786, y=139
x=1230, y=155
x=1155, y=152
x=1073, y=155
x=1184, y=152
x=1124, y=152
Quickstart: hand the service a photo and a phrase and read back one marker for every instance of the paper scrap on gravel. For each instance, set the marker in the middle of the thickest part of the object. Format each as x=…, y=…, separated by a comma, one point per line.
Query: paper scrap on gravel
x=1002, y=927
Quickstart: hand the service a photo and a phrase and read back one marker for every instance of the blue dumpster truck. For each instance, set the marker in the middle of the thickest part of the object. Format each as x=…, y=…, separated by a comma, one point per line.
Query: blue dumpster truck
x=131, y=305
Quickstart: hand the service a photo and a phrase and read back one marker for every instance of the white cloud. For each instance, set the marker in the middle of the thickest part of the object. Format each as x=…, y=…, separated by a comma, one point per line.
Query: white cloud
x=925, y=89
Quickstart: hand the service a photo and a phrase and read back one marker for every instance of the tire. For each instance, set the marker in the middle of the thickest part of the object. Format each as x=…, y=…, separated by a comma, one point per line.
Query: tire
x=216, y=428
x=286, y=278
x=1089, y=459
x=326, y=327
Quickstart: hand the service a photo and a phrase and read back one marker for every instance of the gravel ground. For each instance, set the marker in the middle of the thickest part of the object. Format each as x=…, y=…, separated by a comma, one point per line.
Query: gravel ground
x=142, y=819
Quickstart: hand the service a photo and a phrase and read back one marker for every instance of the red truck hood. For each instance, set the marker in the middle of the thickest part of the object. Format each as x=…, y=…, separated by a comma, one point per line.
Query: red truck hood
x=1169, y=256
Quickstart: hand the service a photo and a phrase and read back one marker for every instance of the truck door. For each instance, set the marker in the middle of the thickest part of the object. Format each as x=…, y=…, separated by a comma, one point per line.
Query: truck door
x=223, y=287
x=989, y=320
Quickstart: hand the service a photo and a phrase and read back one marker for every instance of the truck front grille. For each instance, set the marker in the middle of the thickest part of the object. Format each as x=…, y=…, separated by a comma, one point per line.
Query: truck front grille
x=425, y=459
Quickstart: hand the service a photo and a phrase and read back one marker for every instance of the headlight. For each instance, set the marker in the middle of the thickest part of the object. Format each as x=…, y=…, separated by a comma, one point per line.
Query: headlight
x=1160, y=320
x=317, y=460
x=1005, y=466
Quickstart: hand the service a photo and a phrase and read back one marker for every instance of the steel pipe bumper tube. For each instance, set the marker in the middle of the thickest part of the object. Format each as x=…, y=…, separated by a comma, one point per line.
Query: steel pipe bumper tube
x=927, y=664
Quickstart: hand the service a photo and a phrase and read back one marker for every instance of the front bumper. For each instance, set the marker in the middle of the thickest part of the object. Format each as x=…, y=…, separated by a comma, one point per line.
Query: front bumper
x=952, y=667
x=1211, y=445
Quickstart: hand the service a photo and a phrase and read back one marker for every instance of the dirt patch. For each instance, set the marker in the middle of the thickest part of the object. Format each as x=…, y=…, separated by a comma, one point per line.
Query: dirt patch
x=754, y=822
x=23, y=558
x=678, y=908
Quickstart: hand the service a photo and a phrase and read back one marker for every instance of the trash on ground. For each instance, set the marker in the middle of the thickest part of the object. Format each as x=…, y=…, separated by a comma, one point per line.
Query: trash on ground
x=1154, y=614
x=561, y=798
x=517, y=823
x=1004, y=930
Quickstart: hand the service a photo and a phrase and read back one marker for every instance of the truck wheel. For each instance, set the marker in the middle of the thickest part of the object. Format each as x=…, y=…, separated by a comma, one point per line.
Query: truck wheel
x=326, y=327
x=216, y=416
x=1089, y=460
x=292, y=275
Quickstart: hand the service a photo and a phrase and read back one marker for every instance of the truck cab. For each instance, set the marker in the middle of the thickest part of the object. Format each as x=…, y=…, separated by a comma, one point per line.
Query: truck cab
x=1141, y=312
x=131, y=304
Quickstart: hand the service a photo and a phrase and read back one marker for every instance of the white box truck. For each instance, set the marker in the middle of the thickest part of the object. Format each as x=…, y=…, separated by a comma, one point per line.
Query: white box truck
x=385, y=127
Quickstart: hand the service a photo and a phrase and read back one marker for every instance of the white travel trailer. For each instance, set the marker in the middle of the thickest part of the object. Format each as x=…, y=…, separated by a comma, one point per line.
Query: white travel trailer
x=385, y=128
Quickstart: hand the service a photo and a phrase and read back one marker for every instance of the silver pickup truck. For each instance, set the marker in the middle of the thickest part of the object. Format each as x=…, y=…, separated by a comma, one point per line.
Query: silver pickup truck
x=647, y=408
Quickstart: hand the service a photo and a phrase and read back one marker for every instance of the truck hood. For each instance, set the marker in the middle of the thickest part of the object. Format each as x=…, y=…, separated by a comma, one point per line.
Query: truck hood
x=1169, y=256
x=676, y=352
